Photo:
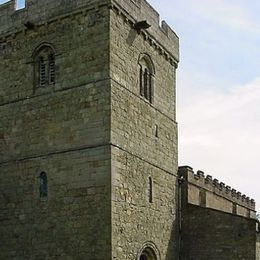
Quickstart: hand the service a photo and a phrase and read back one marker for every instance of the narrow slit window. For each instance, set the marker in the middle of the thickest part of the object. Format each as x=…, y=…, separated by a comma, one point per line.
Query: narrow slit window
x=156, y=131
x=150, y=190
x=43, y=186
x=141, y=79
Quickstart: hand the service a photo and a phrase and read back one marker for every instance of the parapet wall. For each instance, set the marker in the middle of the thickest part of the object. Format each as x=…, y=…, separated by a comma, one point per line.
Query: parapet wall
x=140, y=10
x=217, y=195
x=257, y=246
x=39, y=11
x=44, y=11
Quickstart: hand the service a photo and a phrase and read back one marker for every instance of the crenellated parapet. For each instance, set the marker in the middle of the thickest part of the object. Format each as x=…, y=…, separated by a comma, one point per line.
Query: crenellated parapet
x=160, y=34
x=217, y=195
x=38, y=12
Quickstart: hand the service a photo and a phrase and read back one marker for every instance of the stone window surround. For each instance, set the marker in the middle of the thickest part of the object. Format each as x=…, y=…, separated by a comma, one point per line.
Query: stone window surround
x=44, y=65
x=146, y=77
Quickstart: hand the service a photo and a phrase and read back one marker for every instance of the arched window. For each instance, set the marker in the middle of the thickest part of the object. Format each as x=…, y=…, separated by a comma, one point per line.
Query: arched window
x=44, y=66
x=146, y=77
x=43, y=187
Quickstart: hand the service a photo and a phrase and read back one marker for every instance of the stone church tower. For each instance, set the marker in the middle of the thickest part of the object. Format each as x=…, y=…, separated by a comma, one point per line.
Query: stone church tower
x=88, y=134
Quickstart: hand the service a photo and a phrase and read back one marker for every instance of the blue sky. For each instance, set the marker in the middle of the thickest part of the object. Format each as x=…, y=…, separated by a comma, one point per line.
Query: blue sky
x=218, y=87
x=20, y=3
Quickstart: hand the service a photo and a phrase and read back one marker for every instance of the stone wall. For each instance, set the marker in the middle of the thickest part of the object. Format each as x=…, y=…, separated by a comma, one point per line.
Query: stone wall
x=211, y=234
x=74, y=35
x=139, y=10
x=136, y=221
x=258, y=246
x=63, y=130
x=140, y=151
x=39, y=12
x=216, y=195
x=99, y=142
x=109, y=154
x=74, y=222
x=217, y=222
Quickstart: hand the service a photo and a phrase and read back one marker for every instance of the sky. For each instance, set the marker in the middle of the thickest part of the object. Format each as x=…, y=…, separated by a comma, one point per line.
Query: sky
x=218, y=87
x=20, y=3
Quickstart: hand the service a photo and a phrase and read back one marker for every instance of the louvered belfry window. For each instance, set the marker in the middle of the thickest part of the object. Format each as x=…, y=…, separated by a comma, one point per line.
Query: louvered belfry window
x=51, y=69
x=42, y=72
x=45, y=66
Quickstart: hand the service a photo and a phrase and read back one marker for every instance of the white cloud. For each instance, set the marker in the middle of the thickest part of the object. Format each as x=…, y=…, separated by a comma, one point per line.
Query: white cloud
x=228, y=13
x=19, y=4
x=219, y=131
x=234, y=14
x=219, y=124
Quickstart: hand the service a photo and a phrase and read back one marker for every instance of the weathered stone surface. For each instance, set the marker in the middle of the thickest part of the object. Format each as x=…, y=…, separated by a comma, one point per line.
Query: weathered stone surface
x=257, y=246
x=138, y=153
x=134, y=219
x=212, y=234
x=73, y=222
x=216, y=222
x=217, y=195
x=63, y=130
x=110, y=154
x=96, y=139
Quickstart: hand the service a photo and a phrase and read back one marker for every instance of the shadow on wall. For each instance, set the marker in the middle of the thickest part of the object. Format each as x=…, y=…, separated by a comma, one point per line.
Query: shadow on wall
x=173, y=245
x=172, y=250
x=131, y=37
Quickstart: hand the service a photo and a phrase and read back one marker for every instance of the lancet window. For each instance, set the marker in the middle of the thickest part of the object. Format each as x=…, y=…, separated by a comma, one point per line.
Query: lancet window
x=146, y=77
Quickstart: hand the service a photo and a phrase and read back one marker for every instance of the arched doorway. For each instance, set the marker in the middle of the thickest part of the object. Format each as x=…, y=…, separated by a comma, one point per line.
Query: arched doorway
x=148, y=254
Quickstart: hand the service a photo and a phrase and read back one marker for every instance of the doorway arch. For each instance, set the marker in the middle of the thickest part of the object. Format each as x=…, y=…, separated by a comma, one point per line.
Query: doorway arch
x=148, y=252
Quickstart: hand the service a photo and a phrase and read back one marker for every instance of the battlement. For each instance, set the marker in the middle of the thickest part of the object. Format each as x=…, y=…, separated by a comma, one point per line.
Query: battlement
x=38, y=11
x=218, y=195
x=140, y=10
